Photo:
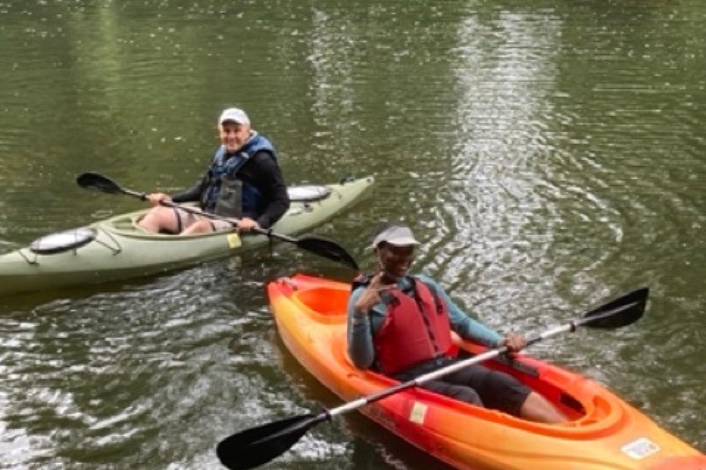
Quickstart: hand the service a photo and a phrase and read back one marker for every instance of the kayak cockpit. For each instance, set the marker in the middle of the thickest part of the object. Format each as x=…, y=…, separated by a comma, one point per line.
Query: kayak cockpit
x=127, y=224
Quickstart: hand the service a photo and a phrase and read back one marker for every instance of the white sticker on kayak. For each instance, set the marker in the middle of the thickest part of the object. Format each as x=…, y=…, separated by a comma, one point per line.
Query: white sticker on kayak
x=233, y=240
x=419, y=411
x=640, y=448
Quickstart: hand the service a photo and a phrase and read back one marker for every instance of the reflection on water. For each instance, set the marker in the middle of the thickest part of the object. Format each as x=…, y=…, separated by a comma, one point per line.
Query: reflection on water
x=550, y=156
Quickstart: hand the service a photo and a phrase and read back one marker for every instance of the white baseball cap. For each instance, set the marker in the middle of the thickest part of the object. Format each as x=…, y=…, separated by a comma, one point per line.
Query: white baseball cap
x=236, y=115
x=398, y=235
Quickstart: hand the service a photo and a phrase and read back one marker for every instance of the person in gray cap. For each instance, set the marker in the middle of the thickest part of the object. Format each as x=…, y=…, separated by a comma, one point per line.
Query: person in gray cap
x=401, y=326
x=243, y=182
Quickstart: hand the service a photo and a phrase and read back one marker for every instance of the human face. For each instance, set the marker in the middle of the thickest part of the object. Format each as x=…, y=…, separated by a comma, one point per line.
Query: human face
x=395, y=261
x=233, y=135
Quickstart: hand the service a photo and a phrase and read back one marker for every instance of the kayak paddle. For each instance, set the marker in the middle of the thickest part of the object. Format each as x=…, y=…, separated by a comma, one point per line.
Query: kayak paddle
x=256, y=446
x=319, y=246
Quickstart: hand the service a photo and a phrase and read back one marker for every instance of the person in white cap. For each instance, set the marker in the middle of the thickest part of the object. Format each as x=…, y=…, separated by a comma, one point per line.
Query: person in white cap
x=243, y=182
x=401, y=326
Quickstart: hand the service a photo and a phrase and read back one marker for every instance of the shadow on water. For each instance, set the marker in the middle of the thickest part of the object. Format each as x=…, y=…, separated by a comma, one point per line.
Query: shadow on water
x=28, y=300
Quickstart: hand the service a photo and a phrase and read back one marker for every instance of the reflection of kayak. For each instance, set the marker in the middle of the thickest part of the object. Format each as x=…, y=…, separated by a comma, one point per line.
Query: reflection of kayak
x=115, y=248
x=604, y=432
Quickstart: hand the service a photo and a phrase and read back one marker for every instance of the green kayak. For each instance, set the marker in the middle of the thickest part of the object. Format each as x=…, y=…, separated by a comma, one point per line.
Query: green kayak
x=115, y=248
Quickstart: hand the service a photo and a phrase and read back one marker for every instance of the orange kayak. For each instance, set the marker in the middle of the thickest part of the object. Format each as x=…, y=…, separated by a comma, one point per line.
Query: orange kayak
x=604, y=432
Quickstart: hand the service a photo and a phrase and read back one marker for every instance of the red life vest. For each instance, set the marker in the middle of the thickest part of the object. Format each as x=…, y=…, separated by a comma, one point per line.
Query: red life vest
x=416, y=329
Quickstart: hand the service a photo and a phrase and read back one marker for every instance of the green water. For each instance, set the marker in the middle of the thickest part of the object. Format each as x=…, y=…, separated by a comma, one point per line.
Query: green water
x=550, y=154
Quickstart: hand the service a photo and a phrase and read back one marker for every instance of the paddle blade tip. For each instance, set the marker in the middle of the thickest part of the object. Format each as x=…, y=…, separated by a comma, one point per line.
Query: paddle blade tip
x=84, y=179
x=234, y=454
x=328, y=249
x=620, y=312
x=98, y=182
x=257, y=446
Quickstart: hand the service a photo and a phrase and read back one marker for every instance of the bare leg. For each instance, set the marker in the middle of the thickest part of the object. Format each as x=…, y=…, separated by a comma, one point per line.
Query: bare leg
x=159, y=219
x=200, y=226
x=537, y=408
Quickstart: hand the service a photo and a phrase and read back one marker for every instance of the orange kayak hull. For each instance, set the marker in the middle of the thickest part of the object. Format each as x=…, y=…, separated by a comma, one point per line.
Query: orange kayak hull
x=605, y=433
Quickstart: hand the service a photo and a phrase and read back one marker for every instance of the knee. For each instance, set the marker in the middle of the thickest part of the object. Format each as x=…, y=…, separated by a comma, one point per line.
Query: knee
x=537, y=408
x=200, y=226
x=158, y=219
x=203, y=226
x=156, y=212
x=149, y=218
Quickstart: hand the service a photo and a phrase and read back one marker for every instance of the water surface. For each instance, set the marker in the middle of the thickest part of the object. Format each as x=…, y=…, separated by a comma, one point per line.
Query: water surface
x=550, y=155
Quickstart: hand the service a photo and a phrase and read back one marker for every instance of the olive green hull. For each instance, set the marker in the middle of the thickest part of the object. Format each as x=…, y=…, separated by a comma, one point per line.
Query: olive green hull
x=121, y=250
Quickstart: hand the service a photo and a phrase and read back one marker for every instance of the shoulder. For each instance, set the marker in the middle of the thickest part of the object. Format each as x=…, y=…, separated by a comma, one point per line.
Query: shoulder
x=265, y=155
x=219, y=152
x=264, y=160
x=356, y=291
x=361, y=280
x=430, y=283
x=259, y=142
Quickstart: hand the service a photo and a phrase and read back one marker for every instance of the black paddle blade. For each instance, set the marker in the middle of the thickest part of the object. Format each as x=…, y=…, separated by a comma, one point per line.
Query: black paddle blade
x=619, y=312
x=256, y=446
x=99, y=182
x=327, y=249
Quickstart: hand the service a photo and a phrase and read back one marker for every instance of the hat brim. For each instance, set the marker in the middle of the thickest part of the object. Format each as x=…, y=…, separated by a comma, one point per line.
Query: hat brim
x=403, y=242
x=397, y=242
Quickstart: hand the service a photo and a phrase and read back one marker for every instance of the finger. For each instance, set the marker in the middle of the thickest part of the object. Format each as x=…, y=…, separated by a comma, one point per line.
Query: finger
x=375, y=281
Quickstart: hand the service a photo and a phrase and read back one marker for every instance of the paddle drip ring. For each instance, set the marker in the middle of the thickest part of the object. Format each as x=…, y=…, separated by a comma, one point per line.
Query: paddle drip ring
x=63, y=241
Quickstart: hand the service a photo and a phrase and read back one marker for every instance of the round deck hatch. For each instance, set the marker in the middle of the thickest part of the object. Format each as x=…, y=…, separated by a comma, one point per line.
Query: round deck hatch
x=63, y=241
x=308, y=193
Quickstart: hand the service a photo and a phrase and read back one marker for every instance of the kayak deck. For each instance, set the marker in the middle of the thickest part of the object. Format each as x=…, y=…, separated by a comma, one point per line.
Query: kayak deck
x=121, y=250
x=604, y=431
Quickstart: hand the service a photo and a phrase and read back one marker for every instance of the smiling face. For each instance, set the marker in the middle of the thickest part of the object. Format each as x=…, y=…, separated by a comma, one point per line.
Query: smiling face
x=233, y=135
x=395, y=261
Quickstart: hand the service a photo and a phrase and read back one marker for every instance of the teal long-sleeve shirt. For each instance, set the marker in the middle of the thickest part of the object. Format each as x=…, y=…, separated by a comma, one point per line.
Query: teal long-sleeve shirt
x=361, y=328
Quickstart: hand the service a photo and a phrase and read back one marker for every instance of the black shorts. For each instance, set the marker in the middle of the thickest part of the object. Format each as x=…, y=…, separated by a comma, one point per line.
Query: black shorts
x=480, y=386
